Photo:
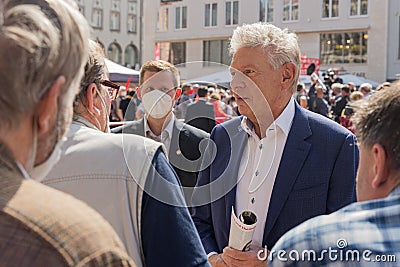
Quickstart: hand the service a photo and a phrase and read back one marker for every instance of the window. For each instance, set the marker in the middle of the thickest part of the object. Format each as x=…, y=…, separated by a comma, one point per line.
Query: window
x=267, y=10
x=162, y=19
x=216, y=51
x=232, y=13
x=173, y=52
x=344, y=47
x=290, y=10
x=115, y=21
x=131, y=56
x=210, y=15
x=330, y=8
x=359, y=7
x=132, y=22
x=181, y=17
x=97, y=18
x=114, y=52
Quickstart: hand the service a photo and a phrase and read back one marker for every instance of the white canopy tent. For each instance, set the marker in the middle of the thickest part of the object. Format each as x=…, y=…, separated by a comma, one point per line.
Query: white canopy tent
x=120, y=73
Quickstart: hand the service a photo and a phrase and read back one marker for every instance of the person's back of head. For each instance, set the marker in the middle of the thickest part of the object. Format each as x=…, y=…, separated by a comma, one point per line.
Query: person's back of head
x=37, y=46
x=43, y=51
x=356, y=95
x=365, y=88
x=202, y=92
x=377, y=125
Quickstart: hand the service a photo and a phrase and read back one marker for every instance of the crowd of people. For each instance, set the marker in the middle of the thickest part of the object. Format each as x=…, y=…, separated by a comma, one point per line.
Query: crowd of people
x=160, y=189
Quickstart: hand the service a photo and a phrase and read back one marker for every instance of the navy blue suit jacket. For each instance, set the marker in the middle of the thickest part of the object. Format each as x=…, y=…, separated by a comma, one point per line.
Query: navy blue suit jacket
x=316, y=176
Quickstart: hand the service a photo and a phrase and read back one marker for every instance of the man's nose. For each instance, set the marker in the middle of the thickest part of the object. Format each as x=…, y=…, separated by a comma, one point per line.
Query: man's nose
x=237, y=82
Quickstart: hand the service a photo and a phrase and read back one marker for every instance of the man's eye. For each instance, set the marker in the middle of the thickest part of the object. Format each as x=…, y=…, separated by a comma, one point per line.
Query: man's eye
x=248, y=71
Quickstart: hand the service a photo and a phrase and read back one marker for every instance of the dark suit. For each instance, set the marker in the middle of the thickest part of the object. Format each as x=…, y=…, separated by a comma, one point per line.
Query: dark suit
x=316, y=176
x=201, y=115
x=184, y=153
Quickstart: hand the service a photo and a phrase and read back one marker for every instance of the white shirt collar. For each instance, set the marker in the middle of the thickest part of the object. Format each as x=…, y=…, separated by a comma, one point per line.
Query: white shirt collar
x=284, y=121
x=168, y=129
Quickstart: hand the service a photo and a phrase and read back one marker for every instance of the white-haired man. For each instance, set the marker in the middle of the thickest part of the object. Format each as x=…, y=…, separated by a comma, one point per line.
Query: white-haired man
x=280, y=161
x=126, y=178
x=43, y=48
x=366, y=233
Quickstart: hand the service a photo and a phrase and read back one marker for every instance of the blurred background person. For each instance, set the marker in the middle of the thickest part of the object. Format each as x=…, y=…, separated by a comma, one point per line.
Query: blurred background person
x=220, y=115
x=340, y=103
x=365, y=89
x=200, y=114
x=347, y=113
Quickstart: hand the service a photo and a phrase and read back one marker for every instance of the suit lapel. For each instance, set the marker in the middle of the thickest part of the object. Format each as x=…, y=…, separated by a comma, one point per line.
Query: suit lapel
x=174, y=149
x=293, y=157
x=237, y=144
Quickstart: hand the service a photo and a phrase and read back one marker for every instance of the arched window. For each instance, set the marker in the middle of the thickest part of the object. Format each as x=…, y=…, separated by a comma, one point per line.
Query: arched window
x=114, y=52
x=131, y=54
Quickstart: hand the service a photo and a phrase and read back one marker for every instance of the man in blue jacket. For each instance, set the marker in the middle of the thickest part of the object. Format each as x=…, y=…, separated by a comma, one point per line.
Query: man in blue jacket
x=282, y=162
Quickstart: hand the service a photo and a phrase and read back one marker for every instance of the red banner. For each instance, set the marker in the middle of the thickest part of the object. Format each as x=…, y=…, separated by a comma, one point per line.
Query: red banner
x=306, y=62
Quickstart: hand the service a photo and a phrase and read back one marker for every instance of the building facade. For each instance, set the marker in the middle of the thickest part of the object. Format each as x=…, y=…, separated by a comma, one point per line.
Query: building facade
x=116, y=26
x=356, y=36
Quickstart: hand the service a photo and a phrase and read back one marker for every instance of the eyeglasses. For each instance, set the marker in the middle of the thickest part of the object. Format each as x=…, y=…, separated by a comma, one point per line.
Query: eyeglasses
x=113, y=88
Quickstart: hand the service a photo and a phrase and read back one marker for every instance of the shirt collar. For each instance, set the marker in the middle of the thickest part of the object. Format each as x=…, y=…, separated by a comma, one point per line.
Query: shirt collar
x=168, y=129
x=284, y=121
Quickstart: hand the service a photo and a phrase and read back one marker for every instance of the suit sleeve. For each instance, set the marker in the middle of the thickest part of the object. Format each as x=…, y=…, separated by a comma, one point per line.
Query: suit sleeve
x=169, y=237
x=202, y=216
x=342, y=183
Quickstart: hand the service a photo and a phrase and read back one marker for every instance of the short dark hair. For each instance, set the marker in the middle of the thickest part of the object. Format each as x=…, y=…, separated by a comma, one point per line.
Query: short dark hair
x=202, y=92
x=346, y=89
x=377, y=121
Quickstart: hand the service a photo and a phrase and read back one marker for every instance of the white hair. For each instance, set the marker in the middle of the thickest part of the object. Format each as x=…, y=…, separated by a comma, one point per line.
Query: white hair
x=40, y=40
x=280, y=45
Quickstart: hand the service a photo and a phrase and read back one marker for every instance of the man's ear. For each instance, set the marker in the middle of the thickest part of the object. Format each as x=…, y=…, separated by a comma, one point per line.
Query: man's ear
x=178, y=93
x=91, y=94
x=381, y=166
x=139, y=95
x=48, y=106
x=288, y=73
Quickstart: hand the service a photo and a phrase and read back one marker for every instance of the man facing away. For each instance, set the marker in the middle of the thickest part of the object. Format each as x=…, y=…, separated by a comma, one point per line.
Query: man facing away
x=126, y=178
x=43, y=48
x=280, y=161
x=158, y=89
x=200, y=114
x=366, y=233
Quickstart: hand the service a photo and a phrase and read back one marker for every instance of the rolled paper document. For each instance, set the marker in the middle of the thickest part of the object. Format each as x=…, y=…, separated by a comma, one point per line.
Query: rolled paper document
x=242, y=229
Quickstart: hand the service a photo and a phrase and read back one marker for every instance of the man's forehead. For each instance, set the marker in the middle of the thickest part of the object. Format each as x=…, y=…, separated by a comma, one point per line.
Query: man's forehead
x=248, y=57
x=162, y=78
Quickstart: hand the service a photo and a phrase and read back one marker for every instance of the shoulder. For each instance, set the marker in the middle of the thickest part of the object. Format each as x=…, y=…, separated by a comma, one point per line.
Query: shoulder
x=320, y=232
x=191, y=131
x=71, y=227
x=130, y=127
x=321, y=124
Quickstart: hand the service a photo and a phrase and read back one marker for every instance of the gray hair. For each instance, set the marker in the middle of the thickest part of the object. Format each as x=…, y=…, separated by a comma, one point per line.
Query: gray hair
x=377, y=121
x=280, y=45
x=40, y=40
x=95, y=72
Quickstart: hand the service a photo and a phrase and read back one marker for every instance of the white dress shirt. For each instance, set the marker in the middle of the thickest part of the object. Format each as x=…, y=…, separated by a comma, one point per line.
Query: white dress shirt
x=166, y=134
x=259, y=166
